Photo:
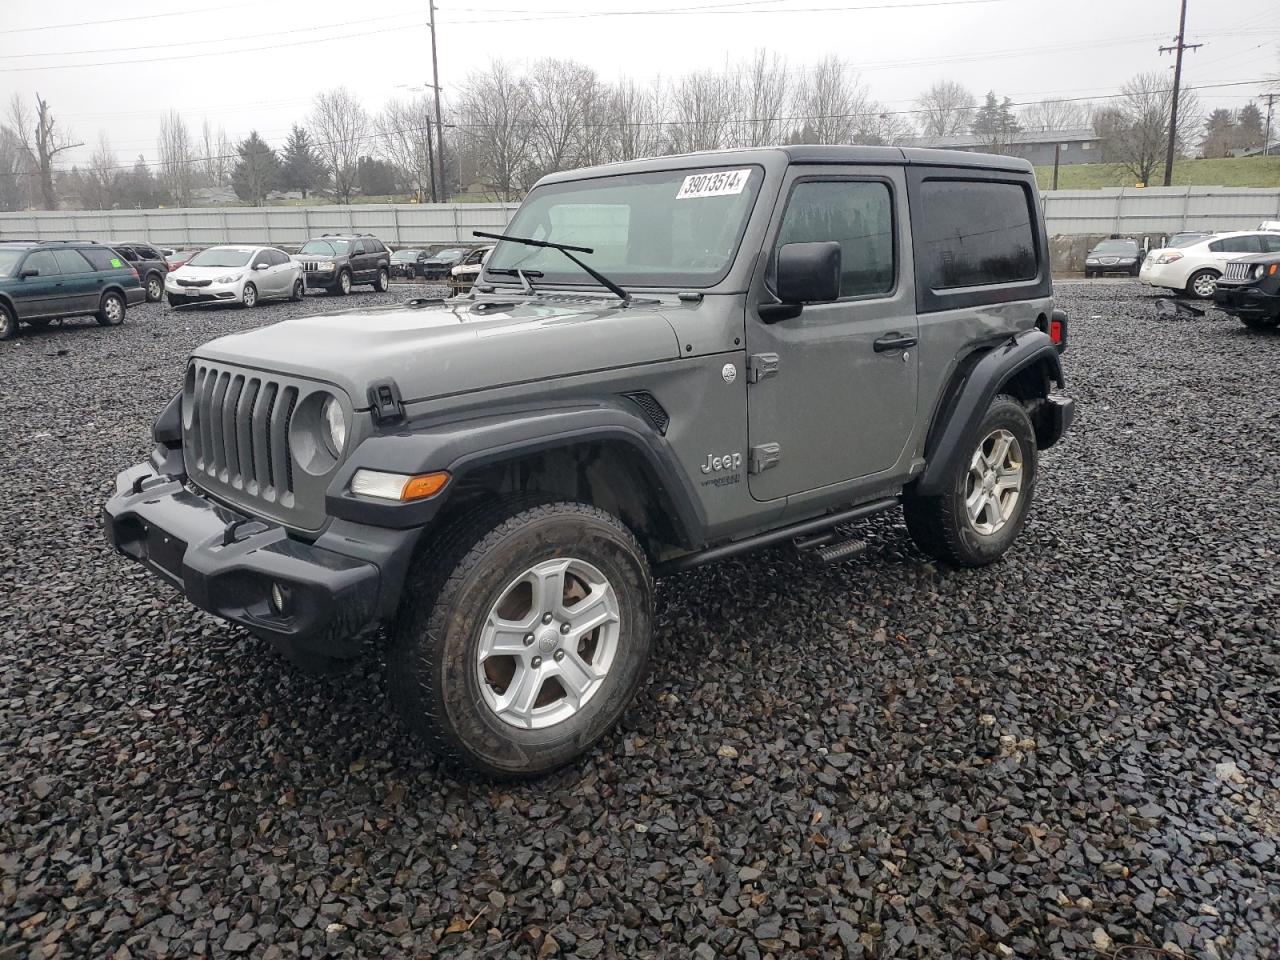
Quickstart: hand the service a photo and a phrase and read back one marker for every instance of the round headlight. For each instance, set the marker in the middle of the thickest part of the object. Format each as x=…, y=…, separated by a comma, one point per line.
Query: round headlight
x=335, y=423
x=1259, y=272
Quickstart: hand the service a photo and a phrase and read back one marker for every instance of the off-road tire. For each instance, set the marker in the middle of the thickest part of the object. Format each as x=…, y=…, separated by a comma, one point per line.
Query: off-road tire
x=383, y=281
x=940, y=526
x=111, y=309
x=433, y=674
x=155, y=288
x=8, y=323
x=1190, y=290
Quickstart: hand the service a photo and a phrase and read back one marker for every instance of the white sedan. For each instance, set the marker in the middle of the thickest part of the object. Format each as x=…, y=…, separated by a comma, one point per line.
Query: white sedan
x=1194, y=269
x=235, y=274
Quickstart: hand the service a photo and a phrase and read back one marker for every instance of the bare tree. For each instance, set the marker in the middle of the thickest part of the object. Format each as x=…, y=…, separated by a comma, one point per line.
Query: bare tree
x=14, y=161
x=102, y=177
x=43, y=141
x=560, y=91
x=833, y=103
x=495, y=107
x=946, y=109
x=1135, y=134
x=702, y=112
x=405, y=141
x=341, y=126
x=217, y=155
x=1054, y=115
x=765, y=89
x=177, y=158
x=637, y=115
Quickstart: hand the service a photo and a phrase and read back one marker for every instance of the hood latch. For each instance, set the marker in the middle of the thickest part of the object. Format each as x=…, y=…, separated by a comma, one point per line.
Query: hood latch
x=385, y=402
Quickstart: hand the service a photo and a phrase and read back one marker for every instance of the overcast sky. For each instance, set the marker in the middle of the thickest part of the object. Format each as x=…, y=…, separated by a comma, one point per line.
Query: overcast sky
x=256, y=63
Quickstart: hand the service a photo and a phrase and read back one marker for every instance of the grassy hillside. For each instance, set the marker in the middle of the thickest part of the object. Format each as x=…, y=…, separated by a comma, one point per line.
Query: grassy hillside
x=1243, y=172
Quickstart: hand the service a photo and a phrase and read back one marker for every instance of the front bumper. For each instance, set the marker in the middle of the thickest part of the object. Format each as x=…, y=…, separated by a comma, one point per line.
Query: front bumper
x=213, y=293
x=227, y=563
x=321, y=278
x=1126, y=267
x=1246, y=299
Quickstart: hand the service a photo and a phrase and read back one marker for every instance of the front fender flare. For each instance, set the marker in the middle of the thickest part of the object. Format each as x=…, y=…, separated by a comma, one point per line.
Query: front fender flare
x=955, y=429
x=460, y=444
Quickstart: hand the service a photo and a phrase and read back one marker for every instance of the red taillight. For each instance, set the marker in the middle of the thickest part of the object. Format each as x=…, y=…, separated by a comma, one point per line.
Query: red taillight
x=1055, y=330
x=135, y=273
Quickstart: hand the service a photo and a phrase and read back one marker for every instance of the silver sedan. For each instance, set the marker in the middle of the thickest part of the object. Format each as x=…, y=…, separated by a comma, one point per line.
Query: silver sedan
x=235, y=274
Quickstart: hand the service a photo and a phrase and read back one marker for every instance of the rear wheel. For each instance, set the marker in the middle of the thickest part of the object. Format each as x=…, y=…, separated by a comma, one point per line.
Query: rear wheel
x=523, y=643
x=982, y=511
x=299, y=290
x=111, y=309
x=8, y=323
x=1201, y=284
x=155, y=289
x=250, y=296
x=383, y=283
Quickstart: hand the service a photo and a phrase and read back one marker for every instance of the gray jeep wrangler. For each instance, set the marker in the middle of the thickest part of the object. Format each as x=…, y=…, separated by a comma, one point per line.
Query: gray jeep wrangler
x=665, y=362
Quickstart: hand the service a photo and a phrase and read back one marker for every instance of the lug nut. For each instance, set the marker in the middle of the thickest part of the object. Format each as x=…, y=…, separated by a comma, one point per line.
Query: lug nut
x=546, y=618
x=564, y=628
x=528, y=639
x=559, y=655
x=537, y=662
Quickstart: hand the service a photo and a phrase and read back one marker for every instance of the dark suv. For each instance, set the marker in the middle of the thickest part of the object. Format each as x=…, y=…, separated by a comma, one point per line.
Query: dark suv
x=43, y=280
x=150, y=263
x=336, y=261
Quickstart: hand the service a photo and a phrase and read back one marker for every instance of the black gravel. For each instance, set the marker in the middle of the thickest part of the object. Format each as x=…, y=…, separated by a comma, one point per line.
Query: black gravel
x=1071, y=753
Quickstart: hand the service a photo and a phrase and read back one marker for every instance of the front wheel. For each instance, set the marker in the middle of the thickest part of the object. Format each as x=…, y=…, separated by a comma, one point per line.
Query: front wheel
x=8, y=323
x=383, y=283
x=1201, y=284
x=250, y=296
x=982, y=511
x=299, y=290
x=522, y=644
x=111, y=310
x=343, y=286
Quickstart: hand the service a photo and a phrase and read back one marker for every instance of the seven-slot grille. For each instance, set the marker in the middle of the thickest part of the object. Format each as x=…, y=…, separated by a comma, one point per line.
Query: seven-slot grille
x=236, y=431
x=1238, y=271
x=311, y=266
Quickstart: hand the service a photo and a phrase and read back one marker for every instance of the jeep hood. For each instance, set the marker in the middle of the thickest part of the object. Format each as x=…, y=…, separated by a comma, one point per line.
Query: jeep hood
x=439, y=349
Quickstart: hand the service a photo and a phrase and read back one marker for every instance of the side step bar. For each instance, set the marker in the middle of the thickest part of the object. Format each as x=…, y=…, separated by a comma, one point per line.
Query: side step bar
x=803, y=529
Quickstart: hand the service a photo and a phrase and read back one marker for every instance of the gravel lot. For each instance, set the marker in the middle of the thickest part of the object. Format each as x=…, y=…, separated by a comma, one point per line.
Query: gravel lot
x=1072, y=753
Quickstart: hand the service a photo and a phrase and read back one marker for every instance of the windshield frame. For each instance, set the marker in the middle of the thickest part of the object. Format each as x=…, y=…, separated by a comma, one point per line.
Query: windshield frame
x=248, y=252
x=759, y=185
x=18, y=253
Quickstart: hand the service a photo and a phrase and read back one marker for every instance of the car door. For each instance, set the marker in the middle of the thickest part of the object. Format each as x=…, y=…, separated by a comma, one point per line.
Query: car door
x=364, y=259
x=286, y=269
x=39, y=295
x=832, y=391
x=81, y=283
x=278, y=272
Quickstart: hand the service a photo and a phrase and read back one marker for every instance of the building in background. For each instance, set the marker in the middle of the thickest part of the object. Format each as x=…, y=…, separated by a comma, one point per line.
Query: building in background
x=1075, y=146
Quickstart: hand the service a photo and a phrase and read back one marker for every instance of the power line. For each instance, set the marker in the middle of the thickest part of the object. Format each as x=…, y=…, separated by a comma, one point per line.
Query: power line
x=716, y=9
x=149, y=16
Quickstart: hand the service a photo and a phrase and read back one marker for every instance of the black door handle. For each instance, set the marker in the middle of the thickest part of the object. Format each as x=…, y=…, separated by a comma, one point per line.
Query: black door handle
x=894, y=341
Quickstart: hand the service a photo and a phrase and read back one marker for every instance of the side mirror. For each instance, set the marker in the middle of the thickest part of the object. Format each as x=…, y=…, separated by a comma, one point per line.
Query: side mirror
x=29, y=272
x=261, y=266
x=809, y=272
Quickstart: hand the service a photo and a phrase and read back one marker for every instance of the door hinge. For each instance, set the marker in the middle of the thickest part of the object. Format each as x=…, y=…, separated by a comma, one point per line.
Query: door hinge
x=763, y=456
x=761, y=366
x=384, y=399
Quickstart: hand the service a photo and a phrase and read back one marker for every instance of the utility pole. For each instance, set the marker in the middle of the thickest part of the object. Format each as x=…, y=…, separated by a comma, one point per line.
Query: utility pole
x=1266, y=137
x=435, y=82
x=1057, y=155
x=1179, y=45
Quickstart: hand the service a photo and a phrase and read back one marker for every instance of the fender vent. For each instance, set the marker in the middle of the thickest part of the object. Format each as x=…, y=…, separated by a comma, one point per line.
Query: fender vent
x=651, y=409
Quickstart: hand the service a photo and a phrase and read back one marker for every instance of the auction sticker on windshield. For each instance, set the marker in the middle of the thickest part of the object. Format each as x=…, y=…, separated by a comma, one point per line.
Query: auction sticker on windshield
x=720, y=183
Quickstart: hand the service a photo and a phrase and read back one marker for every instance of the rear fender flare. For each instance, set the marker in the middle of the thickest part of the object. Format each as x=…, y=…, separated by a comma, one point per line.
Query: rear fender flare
x=954, y=431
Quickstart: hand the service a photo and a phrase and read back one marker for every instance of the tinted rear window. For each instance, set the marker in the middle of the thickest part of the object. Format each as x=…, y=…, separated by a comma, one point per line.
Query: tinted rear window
x=1247, y=244
x=973, y=233
x=103, y=258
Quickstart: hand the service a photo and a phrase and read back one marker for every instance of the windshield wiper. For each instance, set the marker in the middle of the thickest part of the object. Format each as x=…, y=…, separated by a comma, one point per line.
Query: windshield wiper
x=520, y=272
x=568, y=251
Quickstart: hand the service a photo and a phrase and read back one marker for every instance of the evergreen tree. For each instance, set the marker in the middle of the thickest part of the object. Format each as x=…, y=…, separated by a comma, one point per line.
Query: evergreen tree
x=301, y=169
x=1219, y=134
x=1249, y=127
x=995, y=124
x=257, y=172
x=376, y=178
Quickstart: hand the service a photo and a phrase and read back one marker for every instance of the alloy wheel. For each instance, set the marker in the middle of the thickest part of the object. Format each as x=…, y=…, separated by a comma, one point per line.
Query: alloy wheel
x=548, y=643
x=113, y=309
x=1204, y=285
x=994, y=482
x=250, y=295
x=153, y=289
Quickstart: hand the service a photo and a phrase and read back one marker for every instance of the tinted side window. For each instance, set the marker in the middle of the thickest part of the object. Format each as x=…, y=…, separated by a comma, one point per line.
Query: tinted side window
x=72, y=262
x=101, y=258
x=972, y=233
x=1271, y=242
x=858, y=215
x=279, y=258
x=43, y=261
x=1247, y=244
x=361, y=247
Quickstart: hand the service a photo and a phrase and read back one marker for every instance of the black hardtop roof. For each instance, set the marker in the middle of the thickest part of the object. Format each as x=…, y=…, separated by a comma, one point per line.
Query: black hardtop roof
x=801, y=154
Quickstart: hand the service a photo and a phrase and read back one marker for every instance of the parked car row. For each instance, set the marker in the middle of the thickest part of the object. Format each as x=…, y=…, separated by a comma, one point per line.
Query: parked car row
x=44, y=280
x=457, y=265
x=1194, y=267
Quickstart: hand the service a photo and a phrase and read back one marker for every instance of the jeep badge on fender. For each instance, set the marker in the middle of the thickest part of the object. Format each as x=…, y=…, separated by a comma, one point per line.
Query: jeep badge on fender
x=497, y=478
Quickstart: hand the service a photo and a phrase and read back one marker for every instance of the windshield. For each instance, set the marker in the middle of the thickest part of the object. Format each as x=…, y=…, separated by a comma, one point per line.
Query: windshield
x=221, y=257
x=448, y=255
x=405, y=255
x=9, y=260
x=671, y=228
x=328, y=248
x=1117, y=246
x=1187, y=239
